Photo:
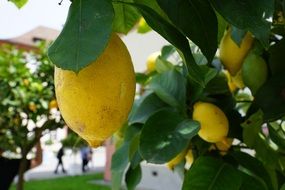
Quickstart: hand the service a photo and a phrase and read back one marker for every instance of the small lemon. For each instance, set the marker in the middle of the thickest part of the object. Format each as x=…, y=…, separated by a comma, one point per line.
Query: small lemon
x=176, y=160
x=214, y=123
x=189, y=157
x=150, y=62
x=32, y=107
x=143, y=27
x=238, y=80
x=231, y=84
x=254, y=72
x=232, y=55
x=53, y=104
x=96, y=102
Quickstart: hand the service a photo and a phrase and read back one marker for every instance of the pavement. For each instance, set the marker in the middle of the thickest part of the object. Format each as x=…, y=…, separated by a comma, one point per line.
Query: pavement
x=154, y=177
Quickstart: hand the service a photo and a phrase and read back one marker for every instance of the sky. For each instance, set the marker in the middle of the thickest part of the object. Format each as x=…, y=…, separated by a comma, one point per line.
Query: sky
x=15, y=22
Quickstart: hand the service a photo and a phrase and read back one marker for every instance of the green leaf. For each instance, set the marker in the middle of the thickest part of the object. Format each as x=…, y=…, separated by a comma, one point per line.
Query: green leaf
x=211, y=173
x=251, y=183
x=197, y=20
x=119, y=164
x=222, y=26
x=85, y=34
x=237, y=35
x=153, y=5
x=254, y=166
x=270, y=98
x=277, y=57
x=170, y=87
x=125, y=17
x=149, y=105
x=133, y=177
x=249, y=15
x=162, y=65
x=19, y=3
x=173, y=36
x=252, y=128
x=277, y=134
x=165, y=135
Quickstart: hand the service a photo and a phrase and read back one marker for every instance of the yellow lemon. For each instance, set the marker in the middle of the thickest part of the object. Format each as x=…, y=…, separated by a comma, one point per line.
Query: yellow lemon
x=189, y=157
x=150, y=62
x=96, y=102
x=26, y=82
x=232, y=55
x=52, y=104
x=143, y=27
x=238, y=80
x=32, y=106
x=225, y=144
x=176, y=160
x=214, y=123
x=231, y=84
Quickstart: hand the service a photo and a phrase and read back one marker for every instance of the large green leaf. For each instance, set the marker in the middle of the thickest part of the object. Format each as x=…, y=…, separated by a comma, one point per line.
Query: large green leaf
x=197, y=20
x=252, y=128
x=170, y=86
x=148, y=105
x=125, y=17
x=133, y=177
x=174, y=36
x=119, y=164
x=85, y=34
x=19, y=3
x=153, y=5
x=164, y=135
x=212, y=174
x=251, y=183
x=250, y=15
x=254, y=166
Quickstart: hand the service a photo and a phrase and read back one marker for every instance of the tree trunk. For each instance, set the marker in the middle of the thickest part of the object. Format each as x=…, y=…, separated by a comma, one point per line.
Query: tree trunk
x=21, y=172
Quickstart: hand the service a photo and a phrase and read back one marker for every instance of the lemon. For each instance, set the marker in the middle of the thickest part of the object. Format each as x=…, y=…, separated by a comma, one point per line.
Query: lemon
x=143, y=27
x=238, y=80
x=176, y=160
x=32, y=107
x=232, y=86
x=189, y=157
x=150, y=62
x=224, y=145
x=213, y=122
x=96, y=102
x=232, y=55
x=53, y=104
x=254, y=72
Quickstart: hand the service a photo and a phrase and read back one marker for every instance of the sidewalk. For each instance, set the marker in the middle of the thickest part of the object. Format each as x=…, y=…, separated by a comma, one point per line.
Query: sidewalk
x=72, y=164
x=154, y=177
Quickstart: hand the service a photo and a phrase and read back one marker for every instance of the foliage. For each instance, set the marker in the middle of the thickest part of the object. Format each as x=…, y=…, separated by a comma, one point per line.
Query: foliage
x=26, y=90
x=161, y=120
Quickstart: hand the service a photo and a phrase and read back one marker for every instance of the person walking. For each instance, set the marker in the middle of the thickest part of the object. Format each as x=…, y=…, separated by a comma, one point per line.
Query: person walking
x=59, y=156
x=84, y=151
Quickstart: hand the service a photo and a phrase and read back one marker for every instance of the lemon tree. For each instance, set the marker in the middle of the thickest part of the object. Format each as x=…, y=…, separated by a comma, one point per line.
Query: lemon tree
x=27, y=89
x=217, y=89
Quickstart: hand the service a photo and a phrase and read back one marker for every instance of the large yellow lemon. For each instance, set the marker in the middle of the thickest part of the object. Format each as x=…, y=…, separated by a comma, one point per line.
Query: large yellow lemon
x=232, y=55
x=214, y=123
x=96, y=102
